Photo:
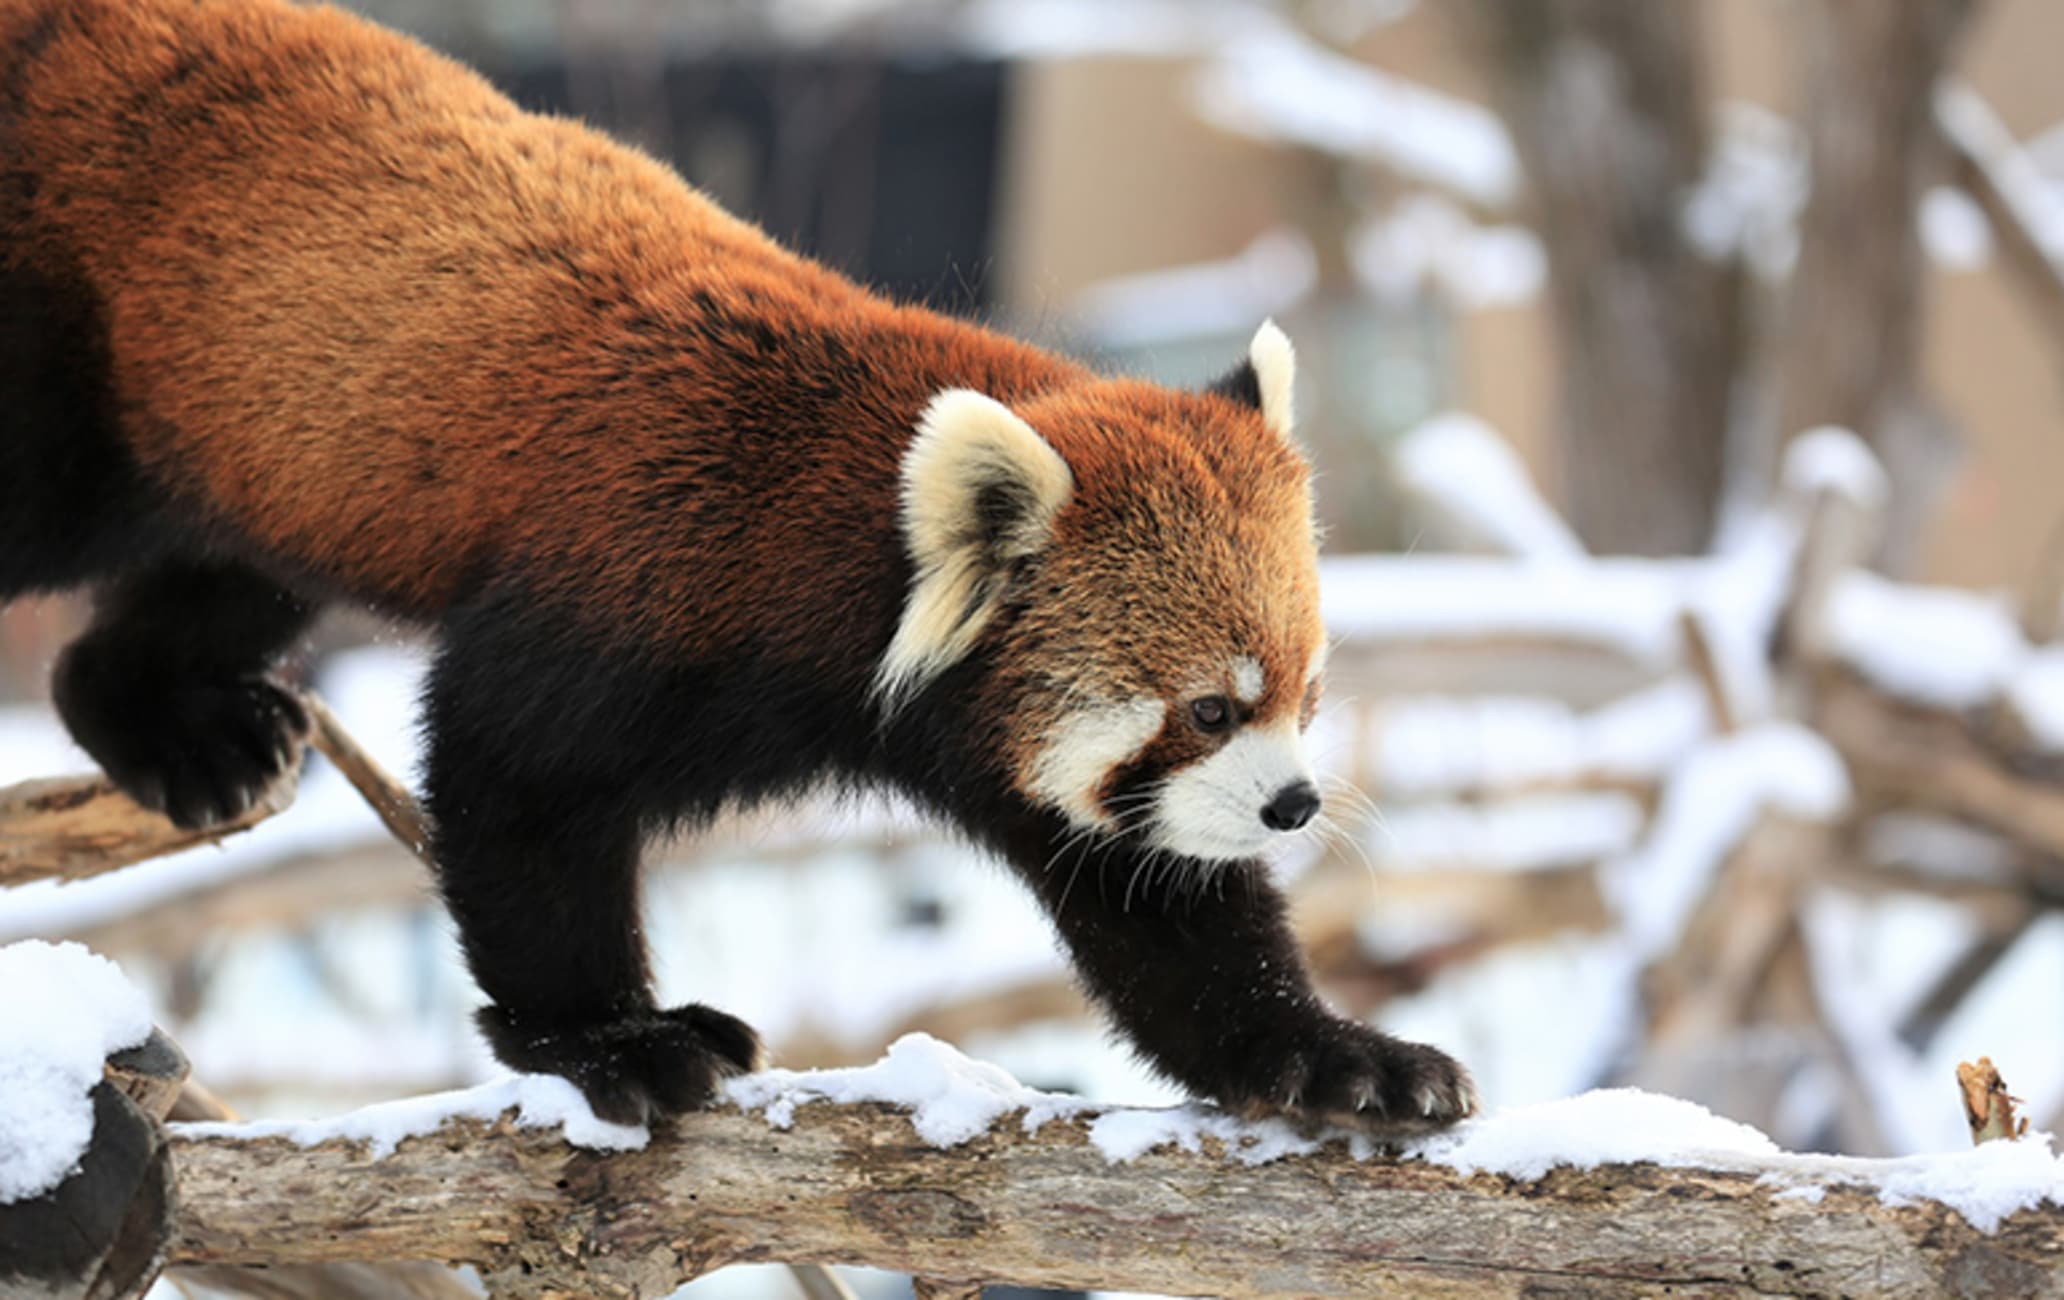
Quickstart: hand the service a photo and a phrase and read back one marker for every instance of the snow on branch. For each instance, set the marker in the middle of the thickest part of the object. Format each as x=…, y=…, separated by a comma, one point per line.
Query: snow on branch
x=2026, y=218
x=1279, y=86
x=934, y=1165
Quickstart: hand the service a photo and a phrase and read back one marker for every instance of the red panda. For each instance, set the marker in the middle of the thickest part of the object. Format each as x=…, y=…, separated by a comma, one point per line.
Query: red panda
x=294, y=311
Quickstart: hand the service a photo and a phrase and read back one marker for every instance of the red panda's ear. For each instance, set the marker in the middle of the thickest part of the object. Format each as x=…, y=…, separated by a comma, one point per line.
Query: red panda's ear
x=980, y=492
x=1265, y=379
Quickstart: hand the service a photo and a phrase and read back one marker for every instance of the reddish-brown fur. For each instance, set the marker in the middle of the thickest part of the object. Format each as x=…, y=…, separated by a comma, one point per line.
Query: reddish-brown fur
x=335, y=319
x=495, y=381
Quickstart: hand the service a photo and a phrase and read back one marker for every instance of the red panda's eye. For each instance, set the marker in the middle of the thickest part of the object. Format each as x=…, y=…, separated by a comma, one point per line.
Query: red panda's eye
x=1211, y=713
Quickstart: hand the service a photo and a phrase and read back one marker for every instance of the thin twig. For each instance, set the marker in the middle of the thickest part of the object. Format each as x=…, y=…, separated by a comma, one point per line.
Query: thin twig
x=390, y=799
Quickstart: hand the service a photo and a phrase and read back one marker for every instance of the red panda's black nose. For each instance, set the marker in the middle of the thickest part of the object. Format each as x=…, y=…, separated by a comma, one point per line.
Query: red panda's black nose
x=1294, y=805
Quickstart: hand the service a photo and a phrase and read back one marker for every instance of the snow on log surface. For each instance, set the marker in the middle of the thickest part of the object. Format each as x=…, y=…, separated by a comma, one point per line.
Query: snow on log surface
x=63, y=1012
x=932, y=1164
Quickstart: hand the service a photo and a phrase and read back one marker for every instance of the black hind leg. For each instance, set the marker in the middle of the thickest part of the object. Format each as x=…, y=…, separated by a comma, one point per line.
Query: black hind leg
x=540, y=786
x=73, y=506
x=168, y=688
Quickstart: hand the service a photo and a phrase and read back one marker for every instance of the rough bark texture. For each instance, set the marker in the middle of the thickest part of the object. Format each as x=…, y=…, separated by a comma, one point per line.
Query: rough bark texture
x=70, y=828
x=852, y=1184
x=1853, y=324
x=385, y=1279
x=1606, y=104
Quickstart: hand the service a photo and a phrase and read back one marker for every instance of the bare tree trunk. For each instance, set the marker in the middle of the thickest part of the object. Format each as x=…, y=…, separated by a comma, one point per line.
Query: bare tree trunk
x=1854, y=327
x=1606, y=104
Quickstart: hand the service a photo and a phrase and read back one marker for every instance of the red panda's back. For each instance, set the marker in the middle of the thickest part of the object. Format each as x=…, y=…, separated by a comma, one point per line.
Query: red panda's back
x=355, y=298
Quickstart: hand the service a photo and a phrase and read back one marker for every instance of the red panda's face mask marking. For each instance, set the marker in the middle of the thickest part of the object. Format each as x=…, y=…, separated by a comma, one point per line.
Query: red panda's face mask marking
x=1141, y=568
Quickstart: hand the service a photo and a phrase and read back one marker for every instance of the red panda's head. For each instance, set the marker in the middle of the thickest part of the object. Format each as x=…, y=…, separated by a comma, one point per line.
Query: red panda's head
x=1142, y=567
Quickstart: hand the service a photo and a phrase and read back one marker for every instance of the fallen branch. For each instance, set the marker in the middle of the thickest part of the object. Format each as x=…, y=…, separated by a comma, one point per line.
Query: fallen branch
x=1988, y=1109
x=1910, y=756
x=70, y=828
x=1990, y=166
x=852, y=1184
x=389, y=798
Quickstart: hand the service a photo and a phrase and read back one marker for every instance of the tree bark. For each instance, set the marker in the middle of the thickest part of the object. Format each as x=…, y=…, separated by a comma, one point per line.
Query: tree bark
x=1606, y=104
x=1853, y=328
x=852, y=1184
x=70, y=828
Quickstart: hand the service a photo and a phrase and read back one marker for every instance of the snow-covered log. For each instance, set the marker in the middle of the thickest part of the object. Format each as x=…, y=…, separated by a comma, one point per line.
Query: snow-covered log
x=854, y=1183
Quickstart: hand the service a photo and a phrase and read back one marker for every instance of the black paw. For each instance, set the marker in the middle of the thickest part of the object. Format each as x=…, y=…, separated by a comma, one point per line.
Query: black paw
x=1344, y=1073
x=636, y=1067
x=201, y=752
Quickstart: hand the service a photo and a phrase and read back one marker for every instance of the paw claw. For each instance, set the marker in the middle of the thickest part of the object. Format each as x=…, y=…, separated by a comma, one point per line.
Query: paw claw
x=1346, y=1073
x=636, y=1067
x=200, y=752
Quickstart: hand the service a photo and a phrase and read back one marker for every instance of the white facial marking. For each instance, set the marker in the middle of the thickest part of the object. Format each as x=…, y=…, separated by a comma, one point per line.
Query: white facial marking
x=1247, y=680
x=1212, y=809
x=1081, y=751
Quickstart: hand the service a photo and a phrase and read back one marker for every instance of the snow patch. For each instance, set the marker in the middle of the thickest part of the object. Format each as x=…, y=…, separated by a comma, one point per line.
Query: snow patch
x=65, y=1011
x=1609, y=1126
x=1520, y=833
x=1830, y=458
x=951, y=1097
x=1973, y=123
x=1936, y=645
x=1985, y=1184
x=2036, y=694
x=1629, y=605
x=1954, y=229
x=1126, y=1135
x=1267, y=278
x=1709, y=805
x=1431, y=745
x=1280, y=87
x=1079, y=29
x=539, y=1100
x=1425, y=241
x=1749, y=200
x=1460, y=463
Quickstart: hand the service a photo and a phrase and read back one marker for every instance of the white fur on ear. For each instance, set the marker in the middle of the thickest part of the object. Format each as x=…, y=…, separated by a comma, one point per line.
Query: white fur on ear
x=1275, y=366
x=980, y=490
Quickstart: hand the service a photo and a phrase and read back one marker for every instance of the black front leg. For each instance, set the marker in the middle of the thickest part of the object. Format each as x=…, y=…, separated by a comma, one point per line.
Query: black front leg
x=171, y=688
x=538, y=812
x=1199, y=968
